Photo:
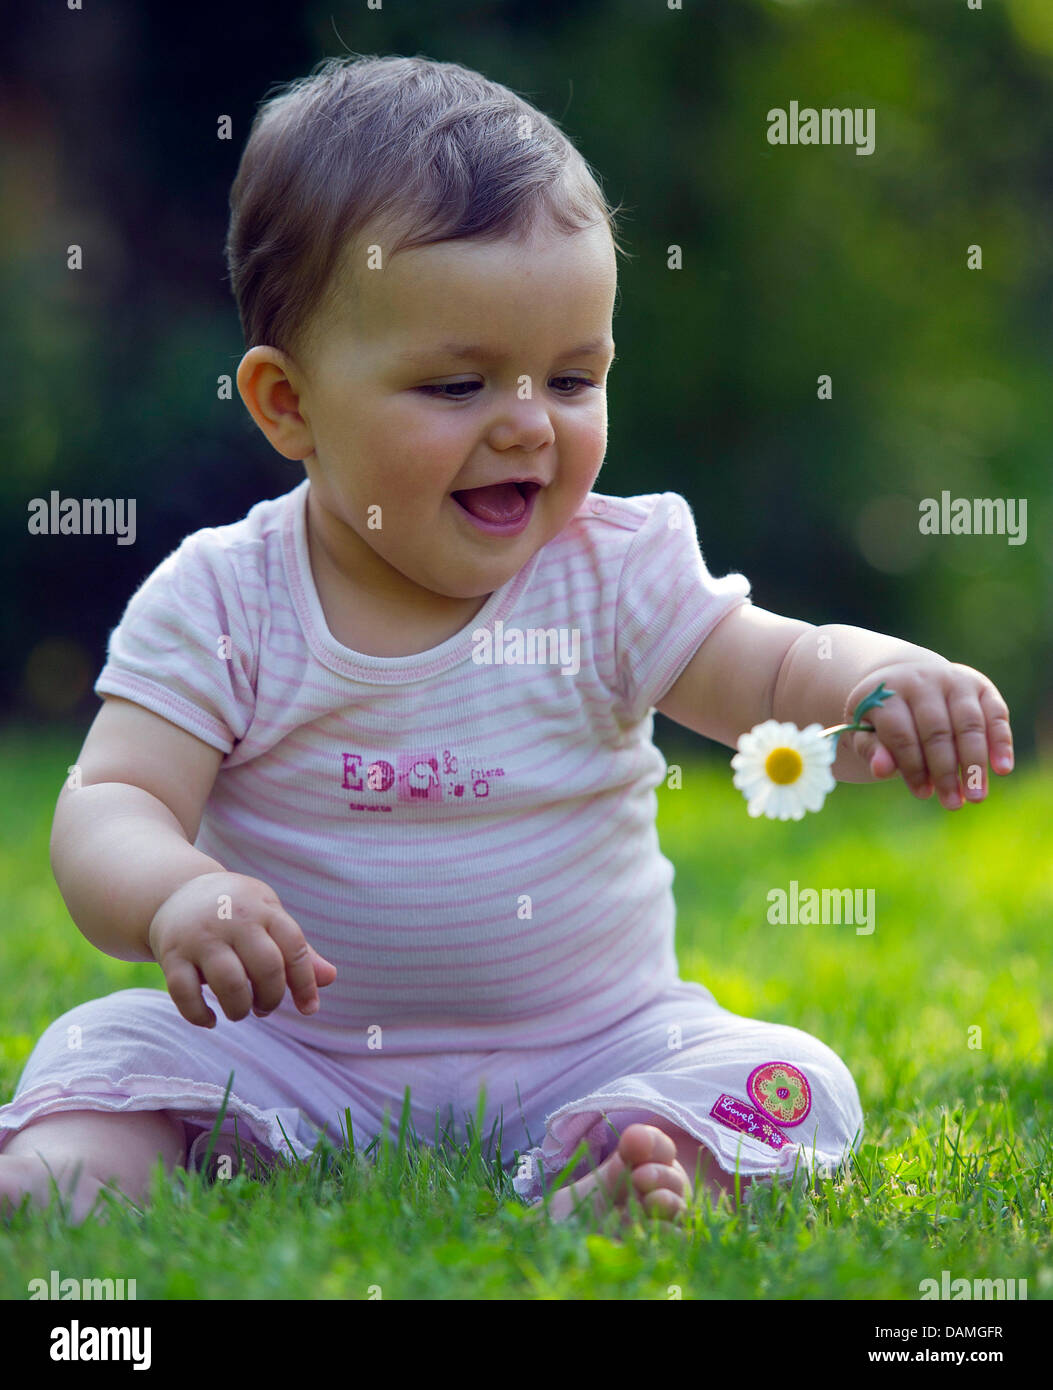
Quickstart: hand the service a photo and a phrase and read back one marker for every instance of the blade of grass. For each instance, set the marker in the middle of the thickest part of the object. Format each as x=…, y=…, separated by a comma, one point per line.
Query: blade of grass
x=214, y=1135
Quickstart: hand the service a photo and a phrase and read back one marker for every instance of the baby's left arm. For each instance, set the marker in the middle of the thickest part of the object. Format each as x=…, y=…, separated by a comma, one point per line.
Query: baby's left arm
x=756, y=665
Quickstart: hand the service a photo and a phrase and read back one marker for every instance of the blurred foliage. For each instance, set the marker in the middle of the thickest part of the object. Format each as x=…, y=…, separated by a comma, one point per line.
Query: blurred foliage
x=797, y=261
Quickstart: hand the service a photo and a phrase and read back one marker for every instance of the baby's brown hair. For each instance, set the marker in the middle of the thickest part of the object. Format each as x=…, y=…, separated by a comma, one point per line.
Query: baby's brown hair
x=434, y=150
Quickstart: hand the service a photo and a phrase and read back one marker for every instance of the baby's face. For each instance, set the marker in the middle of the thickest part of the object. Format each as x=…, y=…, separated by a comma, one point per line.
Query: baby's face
x=399, y=421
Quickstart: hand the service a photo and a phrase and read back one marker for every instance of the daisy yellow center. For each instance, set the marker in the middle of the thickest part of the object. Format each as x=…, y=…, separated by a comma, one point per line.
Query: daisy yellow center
x=784, y=765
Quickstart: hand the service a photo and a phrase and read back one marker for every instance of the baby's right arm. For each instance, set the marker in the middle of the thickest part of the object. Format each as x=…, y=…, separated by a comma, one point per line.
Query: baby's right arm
x=136, y=887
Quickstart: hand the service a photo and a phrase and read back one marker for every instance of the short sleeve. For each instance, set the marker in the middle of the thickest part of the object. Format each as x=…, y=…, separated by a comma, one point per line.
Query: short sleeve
x=668, y=603
x=184, y=647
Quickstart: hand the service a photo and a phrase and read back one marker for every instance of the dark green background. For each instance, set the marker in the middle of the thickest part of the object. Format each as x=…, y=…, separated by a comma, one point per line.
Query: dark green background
x=796, y=262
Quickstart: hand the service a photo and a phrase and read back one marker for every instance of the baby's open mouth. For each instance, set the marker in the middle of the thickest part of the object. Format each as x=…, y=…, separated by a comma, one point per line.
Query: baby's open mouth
x=500, y=503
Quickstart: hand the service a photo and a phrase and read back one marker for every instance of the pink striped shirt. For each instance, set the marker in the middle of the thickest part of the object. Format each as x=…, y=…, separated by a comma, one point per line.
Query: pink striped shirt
x=468, y=833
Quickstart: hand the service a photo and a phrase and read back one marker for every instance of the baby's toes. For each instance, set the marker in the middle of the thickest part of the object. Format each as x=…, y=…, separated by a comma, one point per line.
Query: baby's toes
x=664, y=1204
x=641, y=1144
x=661, y=1177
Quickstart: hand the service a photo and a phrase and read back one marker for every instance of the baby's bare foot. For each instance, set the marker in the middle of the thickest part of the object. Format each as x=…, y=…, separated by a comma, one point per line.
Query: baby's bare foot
x=23, y=1175
x=645, y=1165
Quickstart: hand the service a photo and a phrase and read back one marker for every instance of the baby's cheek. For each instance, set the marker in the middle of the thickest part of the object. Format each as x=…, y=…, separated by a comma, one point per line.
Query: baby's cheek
x=595, y=437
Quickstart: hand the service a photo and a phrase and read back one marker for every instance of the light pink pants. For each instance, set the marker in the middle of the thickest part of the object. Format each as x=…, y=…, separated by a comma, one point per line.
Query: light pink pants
x=763, y=1097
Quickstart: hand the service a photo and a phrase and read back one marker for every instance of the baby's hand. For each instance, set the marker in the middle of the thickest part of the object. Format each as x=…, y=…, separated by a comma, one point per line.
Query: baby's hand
x=942, y=716
x=231, y=932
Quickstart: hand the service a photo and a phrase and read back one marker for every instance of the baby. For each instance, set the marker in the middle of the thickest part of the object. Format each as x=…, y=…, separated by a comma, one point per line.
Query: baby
x=349, y=788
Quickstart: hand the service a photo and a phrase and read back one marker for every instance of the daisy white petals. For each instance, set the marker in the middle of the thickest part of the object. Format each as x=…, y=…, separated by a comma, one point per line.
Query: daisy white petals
x=783, y=771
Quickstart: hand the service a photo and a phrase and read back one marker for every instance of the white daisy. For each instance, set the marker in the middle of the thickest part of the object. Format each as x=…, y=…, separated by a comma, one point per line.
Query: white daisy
x=783, y=771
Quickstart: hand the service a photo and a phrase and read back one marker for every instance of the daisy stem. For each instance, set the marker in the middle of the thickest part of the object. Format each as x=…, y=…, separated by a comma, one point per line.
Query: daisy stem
x=876, y=697
x=855, y=727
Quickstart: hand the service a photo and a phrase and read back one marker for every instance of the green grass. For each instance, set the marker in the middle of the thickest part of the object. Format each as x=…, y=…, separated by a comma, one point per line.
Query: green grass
x=955, y=1171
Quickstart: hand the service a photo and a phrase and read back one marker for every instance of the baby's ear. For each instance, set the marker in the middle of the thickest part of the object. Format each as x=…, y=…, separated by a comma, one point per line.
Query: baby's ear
x=267, y=384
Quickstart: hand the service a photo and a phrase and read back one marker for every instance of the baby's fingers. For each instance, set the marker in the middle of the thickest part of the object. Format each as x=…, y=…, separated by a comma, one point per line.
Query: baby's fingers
x=970, y=731
x=324, y=970
x=184, y=985
x=226, y=977
x=999, y=733
x=882, y=763
x=898, y=738
x=937, y=725
x=299, y=960
x=265, y=966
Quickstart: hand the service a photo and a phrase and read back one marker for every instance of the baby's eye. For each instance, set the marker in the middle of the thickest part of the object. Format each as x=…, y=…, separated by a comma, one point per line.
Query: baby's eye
x=454, y=386
x=575, y=381
x=459, y=390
